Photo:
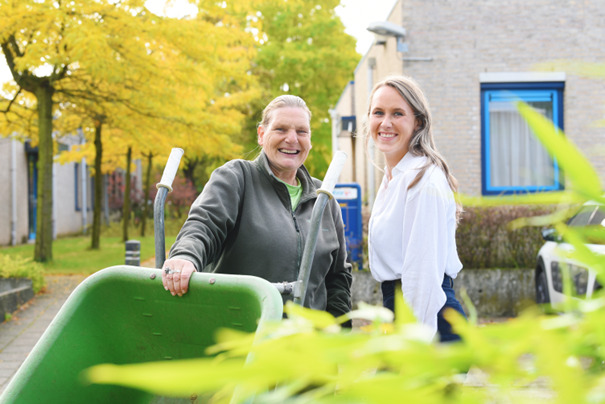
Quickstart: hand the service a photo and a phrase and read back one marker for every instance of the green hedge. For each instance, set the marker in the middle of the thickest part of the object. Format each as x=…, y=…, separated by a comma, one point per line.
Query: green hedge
x=484, y=240
x=18, y=267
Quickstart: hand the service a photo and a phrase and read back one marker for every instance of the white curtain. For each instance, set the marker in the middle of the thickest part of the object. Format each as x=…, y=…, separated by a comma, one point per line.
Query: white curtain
x=517, y=158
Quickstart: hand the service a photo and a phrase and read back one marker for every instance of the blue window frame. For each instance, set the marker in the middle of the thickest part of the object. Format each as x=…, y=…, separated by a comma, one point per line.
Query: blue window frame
x=513, y=161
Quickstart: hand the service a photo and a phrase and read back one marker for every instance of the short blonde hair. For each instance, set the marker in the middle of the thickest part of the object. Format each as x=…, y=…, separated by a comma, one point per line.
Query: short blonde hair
x=283, y=101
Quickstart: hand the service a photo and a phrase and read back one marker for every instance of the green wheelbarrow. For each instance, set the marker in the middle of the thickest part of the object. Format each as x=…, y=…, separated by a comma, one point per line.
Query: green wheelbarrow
x=123, y=315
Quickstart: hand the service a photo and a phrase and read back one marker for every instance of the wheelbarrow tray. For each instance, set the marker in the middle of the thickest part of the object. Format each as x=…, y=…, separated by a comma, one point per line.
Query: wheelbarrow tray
x=123, y=315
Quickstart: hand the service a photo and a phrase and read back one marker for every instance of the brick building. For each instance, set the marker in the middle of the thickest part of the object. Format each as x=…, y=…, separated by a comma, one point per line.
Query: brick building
x=472, y=57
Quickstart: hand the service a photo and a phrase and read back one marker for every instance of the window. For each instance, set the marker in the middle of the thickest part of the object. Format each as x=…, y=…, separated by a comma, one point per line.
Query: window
x=349, y=123
x=61, y=147
x=583, y=217
x=513, y=159
x=598, y=217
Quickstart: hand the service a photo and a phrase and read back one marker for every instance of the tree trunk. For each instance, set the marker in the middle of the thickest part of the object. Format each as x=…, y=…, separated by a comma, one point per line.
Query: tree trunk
x=98, y=204
x=189, y=169
x=44, y=232
x=146, y=194
x=126, y=207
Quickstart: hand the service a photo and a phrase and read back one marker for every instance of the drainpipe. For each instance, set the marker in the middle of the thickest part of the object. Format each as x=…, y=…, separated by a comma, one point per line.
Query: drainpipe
x=335, y=125
x=14, y=190
x=83, y=182
x=370, y=166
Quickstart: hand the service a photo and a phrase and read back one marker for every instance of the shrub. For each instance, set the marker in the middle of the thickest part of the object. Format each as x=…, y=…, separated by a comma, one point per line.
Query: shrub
x=22, y=268
x=485, y=241
x=180, y=199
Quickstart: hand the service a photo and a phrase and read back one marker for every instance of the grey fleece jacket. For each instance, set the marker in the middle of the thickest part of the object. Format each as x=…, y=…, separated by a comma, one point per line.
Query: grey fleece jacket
x=243, y=223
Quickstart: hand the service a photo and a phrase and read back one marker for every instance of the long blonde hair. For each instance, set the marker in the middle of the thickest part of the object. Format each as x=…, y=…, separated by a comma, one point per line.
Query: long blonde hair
x=421, y=142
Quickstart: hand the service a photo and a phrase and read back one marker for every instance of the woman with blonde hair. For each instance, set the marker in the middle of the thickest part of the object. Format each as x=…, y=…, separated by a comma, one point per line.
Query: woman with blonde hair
x=253, y=217
x=412, y=229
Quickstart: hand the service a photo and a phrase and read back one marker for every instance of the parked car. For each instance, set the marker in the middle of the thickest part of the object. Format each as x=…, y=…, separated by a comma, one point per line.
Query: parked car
x=554, y=258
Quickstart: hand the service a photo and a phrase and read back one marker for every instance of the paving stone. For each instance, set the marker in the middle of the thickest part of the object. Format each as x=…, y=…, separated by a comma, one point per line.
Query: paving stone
x=19, y=336
x=12, y=366
x=13, y=356
x=14, y=348
x=26, y=340
x=6, y=373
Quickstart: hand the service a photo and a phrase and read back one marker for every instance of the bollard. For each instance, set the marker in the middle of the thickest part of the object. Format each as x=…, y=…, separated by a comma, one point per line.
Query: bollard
x=133, y=252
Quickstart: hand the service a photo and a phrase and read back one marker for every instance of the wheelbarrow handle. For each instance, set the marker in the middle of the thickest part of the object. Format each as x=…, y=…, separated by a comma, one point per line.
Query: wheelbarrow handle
x=171, y=168
x=324, y=195
x=333, y=173
x=164, y=187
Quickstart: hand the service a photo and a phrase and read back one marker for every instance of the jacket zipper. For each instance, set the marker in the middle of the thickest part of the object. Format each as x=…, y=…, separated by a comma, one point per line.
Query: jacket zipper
x=299, y=244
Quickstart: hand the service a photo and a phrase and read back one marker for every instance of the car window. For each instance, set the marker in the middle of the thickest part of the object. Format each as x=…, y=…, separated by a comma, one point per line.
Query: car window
x=598, y=217
x=582, y=217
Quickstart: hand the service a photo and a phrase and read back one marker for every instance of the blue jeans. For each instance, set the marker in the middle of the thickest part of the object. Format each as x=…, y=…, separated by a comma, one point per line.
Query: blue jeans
x=444, y=328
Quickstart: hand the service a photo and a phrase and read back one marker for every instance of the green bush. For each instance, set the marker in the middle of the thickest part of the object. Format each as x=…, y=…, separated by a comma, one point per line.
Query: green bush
x=18, y=267
x=485, y=241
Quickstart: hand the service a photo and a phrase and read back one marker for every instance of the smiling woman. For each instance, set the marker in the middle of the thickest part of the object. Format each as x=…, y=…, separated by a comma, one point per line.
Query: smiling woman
x=285, y=136
x=412, y=230
x=392, y=124
x=253, y=217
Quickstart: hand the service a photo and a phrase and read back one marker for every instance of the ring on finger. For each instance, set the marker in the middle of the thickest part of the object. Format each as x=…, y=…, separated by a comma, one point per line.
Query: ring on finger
x=168, y=271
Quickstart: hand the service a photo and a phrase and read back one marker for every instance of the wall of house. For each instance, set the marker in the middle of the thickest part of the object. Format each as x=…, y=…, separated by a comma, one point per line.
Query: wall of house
x=67, y=219
x=379, y=62
x=6, y=192
x=469, y=37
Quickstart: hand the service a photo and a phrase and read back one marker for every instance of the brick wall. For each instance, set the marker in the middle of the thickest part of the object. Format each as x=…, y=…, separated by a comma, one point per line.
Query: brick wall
x=469, y=37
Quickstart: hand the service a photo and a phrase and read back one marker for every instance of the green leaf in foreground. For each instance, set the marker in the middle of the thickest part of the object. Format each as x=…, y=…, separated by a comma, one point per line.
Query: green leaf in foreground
x=293, y=363
x=581, y=252
x=579, y=171
x=596, y=70
x=544, y=220
x=542, y=198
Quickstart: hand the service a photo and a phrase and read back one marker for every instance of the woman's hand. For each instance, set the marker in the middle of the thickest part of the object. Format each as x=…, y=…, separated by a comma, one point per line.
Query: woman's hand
x=176, y=274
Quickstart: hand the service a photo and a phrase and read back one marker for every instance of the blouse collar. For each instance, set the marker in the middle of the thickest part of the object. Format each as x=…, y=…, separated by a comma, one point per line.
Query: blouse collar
x=409, y=161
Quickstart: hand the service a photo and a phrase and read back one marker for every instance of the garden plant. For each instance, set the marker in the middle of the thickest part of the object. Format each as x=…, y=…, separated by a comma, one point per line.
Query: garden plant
x=309, y=358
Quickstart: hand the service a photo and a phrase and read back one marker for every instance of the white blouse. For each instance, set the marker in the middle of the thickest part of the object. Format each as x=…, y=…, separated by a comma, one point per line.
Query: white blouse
x=412, y=236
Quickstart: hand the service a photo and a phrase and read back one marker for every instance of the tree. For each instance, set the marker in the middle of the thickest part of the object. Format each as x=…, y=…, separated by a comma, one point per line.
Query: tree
x=146, y=188
x=114, y=65
x=304, y=51
x=46, y=46
x=43, y=89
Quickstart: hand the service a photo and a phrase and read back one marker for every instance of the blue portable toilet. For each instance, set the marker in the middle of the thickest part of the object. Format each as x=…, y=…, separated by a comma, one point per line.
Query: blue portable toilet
x=348, y=196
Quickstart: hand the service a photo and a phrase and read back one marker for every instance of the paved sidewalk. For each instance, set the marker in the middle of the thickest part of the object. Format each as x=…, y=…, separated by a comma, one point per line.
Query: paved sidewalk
x=18, y=336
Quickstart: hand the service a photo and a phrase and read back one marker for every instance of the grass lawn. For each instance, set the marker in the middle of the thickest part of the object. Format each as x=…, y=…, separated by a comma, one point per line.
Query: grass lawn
x=72, y=255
